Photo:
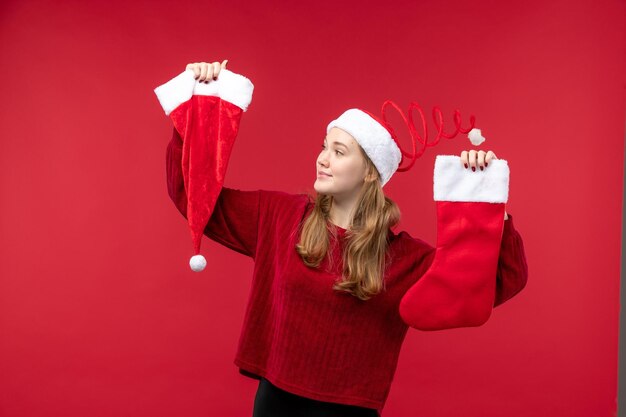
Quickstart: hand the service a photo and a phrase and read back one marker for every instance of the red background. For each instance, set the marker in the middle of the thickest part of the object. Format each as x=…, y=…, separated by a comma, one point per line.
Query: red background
x=100, y=314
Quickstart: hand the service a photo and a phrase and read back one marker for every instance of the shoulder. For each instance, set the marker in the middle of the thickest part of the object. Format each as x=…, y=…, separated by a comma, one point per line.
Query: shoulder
x=404, y=244
x=283, y=204
x=282, y=199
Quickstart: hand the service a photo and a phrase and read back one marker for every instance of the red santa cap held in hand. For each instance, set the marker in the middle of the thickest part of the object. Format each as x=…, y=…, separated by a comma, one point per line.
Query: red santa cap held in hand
x=207, y=118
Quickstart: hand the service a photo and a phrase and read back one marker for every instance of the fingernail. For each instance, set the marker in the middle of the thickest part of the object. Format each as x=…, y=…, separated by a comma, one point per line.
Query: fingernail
x=486, y=164
x=465, y=165
x=473, y=168
x=481, y=168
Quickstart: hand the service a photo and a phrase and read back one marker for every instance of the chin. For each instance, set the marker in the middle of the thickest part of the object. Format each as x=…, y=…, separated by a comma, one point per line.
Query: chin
x=320, y=188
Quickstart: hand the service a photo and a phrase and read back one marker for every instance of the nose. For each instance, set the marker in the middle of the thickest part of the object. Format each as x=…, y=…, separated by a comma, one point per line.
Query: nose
x=322, y=160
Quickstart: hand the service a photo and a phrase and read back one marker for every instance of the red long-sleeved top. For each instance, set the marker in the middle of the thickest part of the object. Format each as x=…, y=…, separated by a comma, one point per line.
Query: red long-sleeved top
x=298, y=332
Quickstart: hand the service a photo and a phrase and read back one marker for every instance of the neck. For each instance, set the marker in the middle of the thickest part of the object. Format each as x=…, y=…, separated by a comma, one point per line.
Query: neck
x=341, y=211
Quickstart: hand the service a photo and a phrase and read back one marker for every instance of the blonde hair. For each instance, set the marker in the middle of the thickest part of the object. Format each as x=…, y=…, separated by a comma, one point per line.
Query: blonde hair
x=365, y=252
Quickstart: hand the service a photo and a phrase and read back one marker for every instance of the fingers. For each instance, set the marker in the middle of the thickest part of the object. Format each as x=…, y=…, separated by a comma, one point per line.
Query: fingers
x=203, y=72
x=489, y=157
x=216, y=69
x=206, y=71
x=194, y=67
x=464, y=159
x=468, y=159
x=477, y=159
x=481, y=160
x=472, y=159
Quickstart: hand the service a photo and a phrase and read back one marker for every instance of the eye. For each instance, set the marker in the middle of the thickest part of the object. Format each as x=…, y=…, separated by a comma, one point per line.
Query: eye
x=339, y=152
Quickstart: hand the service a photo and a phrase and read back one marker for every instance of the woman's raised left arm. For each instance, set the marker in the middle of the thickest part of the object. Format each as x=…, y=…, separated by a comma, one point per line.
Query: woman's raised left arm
x=512, y=272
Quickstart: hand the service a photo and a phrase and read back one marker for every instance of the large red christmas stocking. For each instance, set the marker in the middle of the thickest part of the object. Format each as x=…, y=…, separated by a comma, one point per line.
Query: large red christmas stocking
x=207, y=118
x=458, y=289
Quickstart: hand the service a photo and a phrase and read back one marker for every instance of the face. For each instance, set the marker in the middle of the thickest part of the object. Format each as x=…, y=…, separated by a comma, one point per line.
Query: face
x=342, y=160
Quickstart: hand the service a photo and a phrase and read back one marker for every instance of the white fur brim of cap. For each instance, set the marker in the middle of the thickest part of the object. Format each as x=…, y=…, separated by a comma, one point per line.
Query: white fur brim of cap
x=373, y=138
x=229, y=86
x=454, y=182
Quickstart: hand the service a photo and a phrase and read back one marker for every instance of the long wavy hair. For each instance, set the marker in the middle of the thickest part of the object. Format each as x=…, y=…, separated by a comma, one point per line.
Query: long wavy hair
x=365, y=251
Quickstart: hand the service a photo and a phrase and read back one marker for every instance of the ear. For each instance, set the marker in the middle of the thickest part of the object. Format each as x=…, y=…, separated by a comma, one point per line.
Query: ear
x=370, y=177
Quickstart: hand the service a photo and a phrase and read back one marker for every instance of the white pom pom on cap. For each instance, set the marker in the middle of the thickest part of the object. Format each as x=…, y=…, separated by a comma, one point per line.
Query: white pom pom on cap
x=475, y=137
x=197, y=263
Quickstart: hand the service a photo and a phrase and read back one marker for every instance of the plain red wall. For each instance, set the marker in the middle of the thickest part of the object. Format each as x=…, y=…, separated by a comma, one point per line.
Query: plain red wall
x=100, y=314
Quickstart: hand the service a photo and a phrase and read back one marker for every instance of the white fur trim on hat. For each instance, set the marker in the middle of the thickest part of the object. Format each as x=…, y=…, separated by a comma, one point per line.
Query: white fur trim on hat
x=234, y=88
x=373, y=138
x=454, y=182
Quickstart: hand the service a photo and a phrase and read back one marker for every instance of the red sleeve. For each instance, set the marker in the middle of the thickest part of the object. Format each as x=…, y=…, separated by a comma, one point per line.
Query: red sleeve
x=512, y=272
x=234, y=221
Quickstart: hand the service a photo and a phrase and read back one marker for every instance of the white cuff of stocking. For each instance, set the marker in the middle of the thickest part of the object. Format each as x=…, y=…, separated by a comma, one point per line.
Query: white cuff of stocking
x=454, y=182
x=231, y=87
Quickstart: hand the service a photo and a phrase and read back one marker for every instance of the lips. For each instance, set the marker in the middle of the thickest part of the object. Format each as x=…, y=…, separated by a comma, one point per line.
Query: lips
x=323, y=174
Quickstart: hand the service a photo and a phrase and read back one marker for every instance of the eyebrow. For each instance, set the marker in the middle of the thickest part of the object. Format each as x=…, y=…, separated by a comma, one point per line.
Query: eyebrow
x=338, y=143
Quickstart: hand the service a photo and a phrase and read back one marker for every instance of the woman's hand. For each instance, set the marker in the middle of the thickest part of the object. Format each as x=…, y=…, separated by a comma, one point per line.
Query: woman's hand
x=481, y=159
x=204, y=71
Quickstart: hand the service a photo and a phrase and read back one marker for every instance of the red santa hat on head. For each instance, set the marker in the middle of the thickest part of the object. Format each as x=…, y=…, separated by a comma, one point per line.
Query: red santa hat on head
x=207, y=118
x=380, y=143
x=373, y=137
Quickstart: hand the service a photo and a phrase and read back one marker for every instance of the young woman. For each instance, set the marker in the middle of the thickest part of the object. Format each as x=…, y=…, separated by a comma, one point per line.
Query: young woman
x=322, y=331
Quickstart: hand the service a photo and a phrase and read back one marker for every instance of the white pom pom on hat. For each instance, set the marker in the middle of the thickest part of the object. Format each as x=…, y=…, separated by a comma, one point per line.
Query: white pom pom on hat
x=475, y=137
x=197, y=263
x=380, y=143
